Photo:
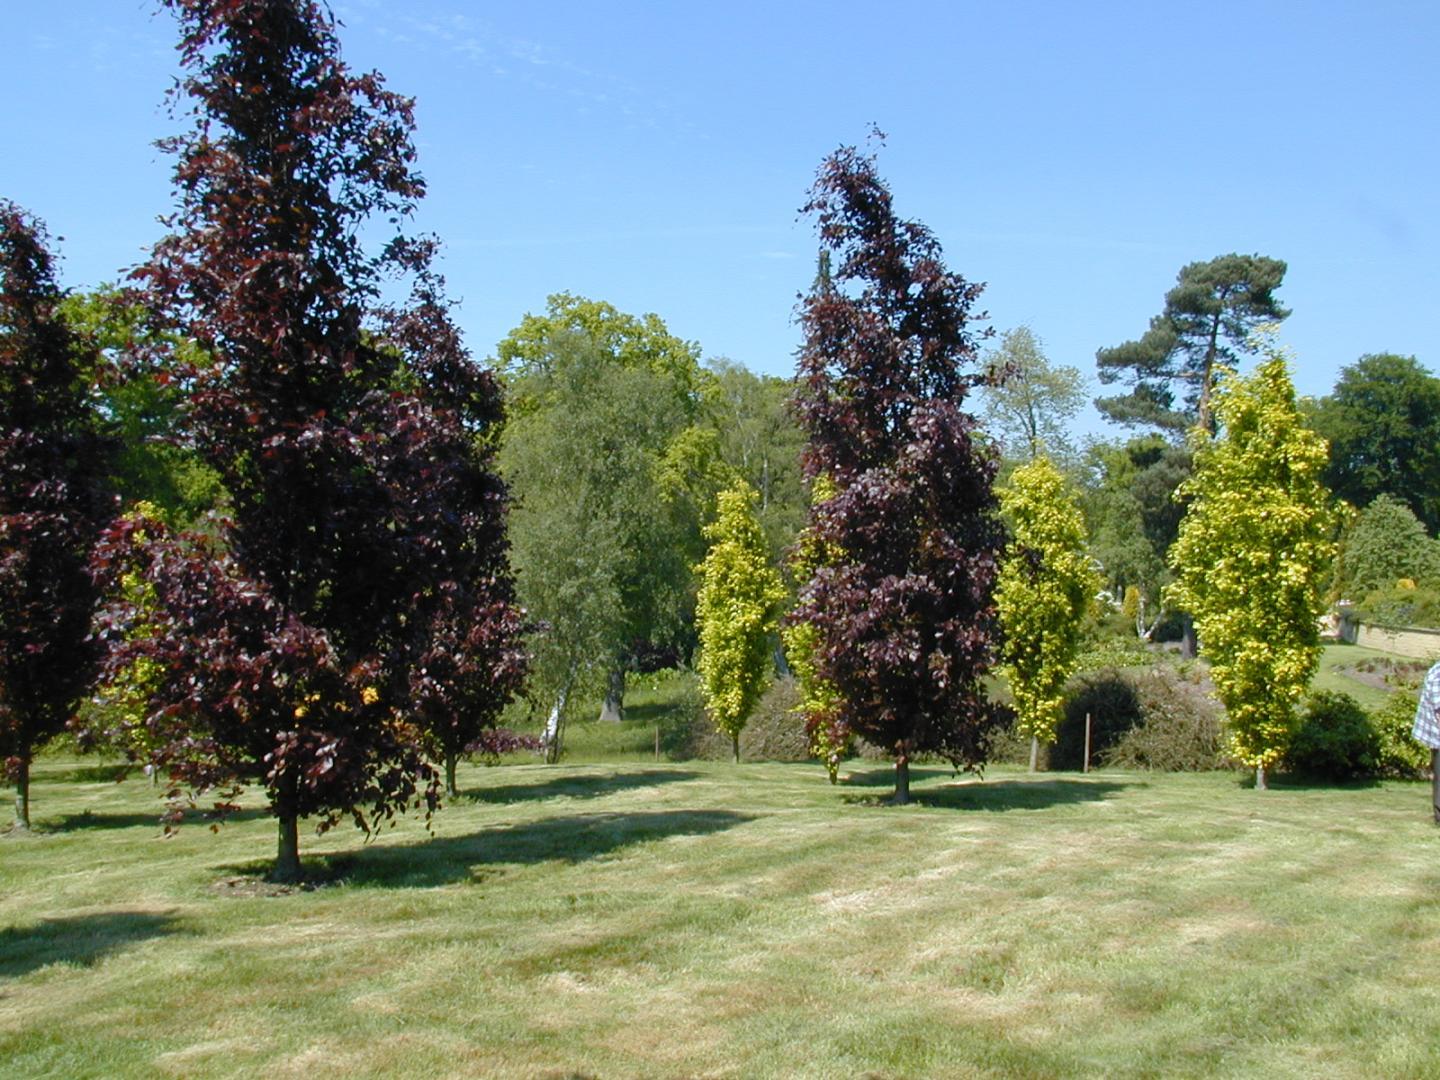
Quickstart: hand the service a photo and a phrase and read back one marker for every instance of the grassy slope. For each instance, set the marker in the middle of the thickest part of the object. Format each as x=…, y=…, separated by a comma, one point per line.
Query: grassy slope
x=703, y=919
x=1330, y=678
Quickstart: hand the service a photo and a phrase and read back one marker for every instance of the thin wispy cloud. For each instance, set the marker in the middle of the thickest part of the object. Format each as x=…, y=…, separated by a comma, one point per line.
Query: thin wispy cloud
x=532, y=63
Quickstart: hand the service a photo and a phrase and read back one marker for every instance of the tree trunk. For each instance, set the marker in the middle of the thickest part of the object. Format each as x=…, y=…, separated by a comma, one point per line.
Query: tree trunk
x=735, y=746
x=902, y=774
x=555, y=723
x=450, y=789
x=22, y=795
x=1189, y=646
x=613, y=711
x=287, y=858
x=1034, y=753
x=1260, y=778
x=782, y=665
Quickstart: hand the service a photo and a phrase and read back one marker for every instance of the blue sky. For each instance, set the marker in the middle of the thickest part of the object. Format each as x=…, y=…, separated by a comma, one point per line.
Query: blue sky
x=1072, y=156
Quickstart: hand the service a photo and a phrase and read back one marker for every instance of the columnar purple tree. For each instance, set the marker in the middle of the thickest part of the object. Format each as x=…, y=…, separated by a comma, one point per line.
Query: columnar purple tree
x=53, y=504
x=901, y=604
x=362, y=561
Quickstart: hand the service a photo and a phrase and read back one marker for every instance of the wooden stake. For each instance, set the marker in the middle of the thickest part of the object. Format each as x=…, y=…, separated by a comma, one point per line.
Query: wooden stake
x=1087, y=743
x=657, y=742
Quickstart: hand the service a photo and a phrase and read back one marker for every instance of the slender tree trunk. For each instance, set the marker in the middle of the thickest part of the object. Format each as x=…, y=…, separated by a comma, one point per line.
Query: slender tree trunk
x=782, y=665
x=287, y=858
x=1189, y=647
x=1260, y=778
x=735, y=746
x=450, y=789
x=22, y=794
x=902, y=774
x=555, y=723
x=613, y=711
x=1034, y=753
x=1207, y=376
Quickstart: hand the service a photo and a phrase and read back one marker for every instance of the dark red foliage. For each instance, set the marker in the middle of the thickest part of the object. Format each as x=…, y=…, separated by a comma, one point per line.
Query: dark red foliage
x=493, y=744
x=53, y=499
x=903, y=598
x=360, y=587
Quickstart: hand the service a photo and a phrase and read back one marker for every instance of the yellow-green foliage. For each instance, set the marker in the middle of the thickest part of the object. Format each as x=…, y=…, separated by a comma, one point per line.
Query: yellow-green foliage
x=740, y=593
x=125, y=697
x=819, y=700
x=1252, y=554
x=1045, y=585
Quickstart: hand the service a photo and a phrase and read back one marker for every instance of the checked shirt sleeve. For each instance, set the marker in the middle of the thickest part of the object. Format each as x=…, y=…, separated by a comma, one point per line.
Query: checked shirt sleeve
x=1427, y=716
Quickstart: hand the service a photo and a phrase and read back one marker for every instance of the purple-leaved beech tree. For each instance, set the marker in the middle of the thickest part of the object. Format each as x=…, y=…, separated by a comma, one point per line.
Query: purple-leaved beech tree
x=355, y=610
x=53, y=504
x=904, y=624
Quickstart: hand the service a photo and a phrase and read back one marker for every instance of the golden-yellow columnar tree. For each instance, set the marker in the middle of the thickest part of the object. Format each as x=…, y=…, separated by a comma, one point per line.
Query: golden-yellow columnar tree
x=1252, y=556
x=1045, y=588
x=736, y=609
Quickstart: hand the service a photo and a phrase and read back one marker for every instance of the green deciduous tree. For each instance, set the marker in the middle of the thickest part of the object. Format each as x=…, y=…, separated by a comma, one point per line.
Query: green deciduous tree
x=761, y=442
x=141, y=405
x=735, y=612
x=1253, y=554
x=1132, y=515
x=1383, y=544
x=1031, y=402
x=1383, y=424
x=661, y=540
x=1046, y=587
x=594, y=548
x=1208, y=317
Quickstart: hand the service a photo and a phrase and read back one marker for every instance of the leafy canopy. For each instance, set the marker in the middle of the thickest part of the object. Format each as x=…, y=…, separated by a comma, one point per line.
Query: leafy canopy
x=1207, y=321
x=364, y=522
x=735, y=611
x=901, y=607
x=1045, y=590
x=1383, y=424
x=53, y=502
x=1252, y=556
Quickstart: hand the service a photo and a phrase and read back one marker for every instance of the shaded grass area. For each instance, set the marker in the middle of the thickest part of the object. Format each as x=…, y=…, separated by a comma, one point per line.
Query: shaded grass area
x=750, y=921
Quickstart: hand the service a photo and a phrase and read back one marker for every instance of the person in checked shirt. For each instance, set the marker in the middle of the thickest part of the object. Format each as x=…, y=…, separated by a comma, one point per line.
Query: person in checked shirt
x=1427, y=731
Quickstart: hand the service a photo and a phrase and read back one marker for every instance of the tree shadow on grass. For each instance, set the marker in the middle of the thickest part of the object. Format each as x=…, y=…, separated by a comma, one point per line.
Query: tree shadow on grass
x=884, y=777
x=90, y=819
x=573, y=839
x=577, y=787
x=94, y=774
x=1301, y=782
x=76, y=939
x=1001, y=795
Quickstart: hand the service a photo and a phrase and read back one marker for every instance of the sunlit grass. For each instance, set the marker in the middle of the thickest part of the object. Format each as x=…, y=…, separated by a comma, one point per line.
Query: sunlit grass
x=713, y=920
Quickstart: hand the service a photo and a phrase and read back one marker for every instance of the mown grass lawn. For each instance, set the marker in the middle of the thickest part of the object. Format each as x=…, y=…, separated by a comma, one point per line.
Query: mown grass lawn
x=750, y=921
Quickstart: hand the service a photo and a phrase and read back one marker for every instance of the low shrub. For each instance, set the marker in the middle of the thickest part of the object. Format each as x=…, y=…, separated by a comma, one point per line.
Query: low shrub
x=1109, y=698
x=774, y=731
x=1335, y=740
x=1180, y=728
x=1400, y=755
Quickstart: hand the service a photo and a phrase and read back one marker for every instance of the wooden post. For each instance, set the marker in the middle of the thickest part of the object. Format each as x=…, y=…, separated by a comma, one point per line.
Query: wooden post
x=1087, y=744
x=657, y=742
